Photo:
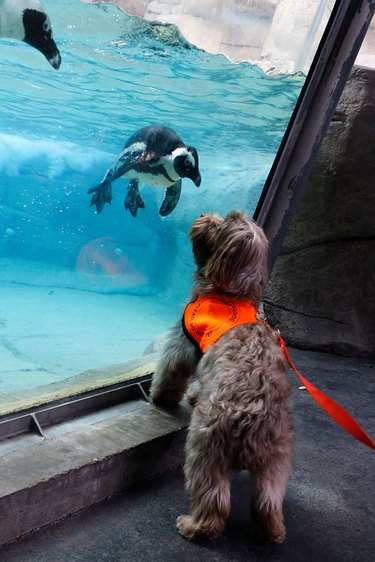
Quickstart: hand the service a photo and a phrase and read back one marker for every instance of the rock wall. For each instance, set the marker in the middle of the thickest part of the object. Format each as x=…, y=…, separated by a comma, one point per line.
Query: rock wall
x=321, y=292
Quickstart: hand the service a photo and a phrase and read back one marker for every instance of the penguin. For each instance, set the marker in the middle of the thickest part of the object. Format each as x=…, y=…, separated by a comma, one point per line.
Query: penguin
x=154, y=155
x=27, y=21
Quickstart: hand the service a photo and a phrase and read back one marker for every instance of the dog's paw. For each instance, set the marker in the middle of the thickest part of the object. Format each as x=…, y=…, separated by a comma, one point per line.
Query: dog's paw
x=192, y=393
x=275, y=534
x=186, y=527
x=277, y=538
x=191, y=529
x=168, y=399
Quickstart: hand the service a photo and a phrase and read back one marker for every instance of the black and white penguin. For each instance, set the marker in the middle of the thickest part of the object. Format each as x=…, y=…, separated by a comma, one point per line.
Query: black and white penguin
x=154, y=155
x=27, y=21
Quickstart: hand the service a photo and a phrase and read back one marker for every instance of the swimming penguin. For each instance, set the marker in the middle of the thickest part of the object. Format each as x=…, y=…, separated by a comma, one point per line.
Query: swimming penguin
x=27, y=21
x=154, y=155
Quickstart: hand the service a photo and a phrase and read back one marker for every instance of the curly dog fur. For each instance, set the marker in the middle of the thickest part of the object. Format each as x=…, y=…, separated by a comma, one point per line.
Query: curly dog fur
x=241, y=419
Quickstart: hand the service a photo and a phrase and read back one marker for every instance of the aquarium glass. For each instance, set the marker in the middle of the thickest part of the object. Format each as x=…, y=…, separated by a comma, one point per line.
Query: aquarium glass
x=81, y=290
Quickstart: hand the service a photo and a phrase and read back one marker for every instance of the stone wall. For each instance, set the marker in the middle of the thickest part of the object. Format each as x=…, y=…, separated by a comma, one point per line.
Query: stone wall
x=321, y=292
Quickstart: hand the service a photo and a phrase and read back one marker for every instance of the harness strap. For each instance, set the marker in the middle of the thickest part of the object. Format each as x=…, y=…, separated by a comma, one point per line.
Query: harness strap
x=334, y=410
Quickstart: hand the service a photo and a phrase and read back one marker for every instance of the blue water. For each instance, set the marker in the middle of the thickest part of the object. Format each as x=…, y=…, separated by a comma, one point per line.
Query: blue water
x=60, y=130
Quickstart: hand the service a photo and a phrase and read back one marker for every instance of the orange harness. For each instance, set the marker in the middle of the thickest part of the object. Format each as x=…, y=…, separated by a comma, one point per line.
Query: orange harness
x=209, y=317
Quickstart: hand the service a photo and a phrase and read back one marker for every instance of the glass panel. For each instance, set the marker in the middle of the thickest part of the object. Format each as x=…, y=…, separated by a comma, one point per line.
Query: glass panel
x=81, y=290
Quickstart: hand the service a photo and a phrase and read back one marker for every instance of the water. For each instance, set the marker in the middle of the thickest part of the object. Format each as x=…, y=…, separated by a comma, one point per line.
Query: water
x=63, y=310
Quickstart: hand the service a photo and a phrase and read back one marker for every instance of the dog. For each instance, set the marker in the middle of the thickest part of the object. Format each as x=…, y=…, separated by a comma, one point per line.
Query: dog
x=241, y=418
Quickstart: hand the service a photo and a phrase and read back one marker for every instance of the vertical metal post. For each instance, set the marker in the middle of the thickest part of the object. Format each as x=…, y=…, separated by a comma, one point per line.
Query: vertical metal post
x=324, y=84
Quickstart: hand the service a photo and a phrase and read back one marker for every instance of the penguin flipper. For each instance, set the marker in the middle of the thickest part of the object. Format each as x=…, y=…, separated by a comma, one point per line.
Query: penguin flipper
x=128, y=160
x=171, y=198
x=133, y=200
x=102, y=195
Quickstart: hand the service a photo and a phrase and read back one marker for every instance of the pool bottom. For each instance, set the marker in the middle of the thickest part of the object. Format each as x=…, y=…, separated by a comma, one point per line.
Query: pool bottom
x=50, y=336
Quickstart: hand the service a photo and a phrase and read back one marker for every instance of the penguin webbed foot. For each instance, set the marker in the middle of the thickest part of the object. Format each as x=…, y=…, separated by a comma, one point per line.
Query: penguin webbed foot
x=133, y=200
x=102, y=194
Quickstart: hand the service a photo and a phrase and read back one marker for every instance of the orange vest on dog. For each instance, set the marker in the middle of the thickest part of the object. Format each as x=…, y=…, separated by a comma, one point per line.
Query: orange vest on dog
x=207, y=318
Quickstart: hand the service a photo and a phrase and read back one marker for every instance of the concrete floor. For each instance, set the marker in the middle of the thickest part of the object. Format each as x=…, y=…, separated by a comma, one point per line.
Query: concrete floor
x=329, y=507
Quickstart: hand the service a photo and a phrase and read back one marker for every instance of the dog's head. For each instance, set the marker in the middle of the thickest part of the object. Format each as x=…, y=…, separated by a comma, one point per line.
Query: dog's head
x=231, y=255
x=203, y=235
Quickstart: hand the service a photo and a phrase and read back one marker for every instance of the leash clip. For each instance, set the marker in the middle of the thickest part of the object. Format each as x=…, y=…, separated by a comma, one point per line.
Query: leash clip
x=261, y=315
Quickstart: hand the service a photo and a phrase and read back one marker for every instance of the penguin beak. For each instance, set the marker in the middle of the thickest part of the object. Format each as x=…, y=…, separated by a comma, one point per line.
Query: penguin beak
x=55, y=61
x=47, y=46
x=195, y=175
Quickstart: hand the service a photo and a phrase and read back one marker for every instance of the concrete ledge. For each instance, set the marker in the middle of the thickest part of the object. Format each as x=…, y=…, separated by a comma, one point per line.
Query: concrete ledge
x=43, y=483
x=87, y=381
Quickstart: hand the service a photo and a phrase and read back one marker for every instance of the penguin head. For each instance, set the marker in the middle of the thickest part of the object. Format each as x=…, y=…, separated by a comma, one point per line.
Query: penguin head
x=38, y=34
x=186, y=163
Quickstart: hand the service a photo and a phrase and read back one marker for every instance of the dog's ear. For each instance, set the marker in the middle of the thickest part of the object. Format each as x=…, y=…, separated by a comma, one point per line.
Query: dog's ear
x=203, y=235
x=239, y=264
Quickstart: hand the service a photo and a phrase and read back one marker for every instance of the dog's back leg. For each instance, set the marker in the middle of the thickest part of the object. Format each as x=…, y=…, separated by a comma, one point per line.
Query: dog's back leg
x=207, y=483
x=270, y=484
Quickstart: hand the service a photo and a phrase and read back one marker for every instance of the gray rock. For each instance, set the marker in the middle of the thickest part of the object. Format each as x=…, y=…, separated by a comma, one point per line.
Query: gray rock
x=321, y=292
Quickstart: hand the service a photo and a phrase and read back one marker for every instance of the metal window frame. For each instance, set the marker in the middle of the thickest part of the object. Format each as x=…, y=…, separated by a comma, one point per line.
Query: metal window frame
x=35, y=420
x=283, y=188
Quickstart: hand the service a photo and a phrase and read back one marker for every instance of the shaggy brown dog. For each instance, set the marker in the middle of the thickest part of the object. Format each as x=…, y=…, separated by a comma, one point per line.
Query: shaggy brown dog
x=241, y=418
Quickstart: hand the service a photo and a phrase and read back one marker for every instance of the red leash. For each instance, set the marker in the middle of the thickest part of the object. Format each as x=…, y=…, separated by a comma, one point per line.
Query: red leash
x=334, y=410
